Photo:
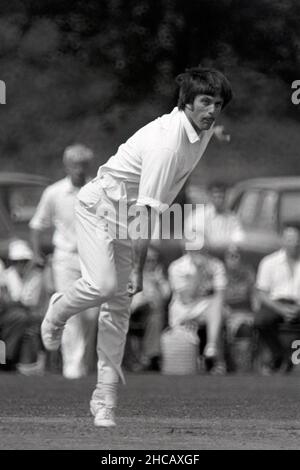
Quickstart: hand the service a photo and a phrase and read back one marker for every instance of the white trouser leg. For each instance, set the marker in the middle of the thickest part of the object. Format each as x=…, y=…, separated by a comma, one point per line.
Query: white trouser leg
x=113, y=325
x=105, y=267
x=99, y=280
x=80, y=331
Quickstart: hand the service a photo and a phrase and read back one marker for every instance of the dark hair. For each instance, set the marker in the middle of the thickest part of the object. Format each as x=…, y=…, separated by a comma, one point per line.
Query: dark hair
x=295, y=224
x=202, y=81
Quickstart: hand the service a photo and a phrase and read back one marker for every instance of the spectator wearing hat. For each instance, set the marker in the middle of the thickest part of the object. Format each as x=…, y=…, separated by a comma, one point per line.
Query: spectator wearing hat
x=21, y=304
x=56, y=209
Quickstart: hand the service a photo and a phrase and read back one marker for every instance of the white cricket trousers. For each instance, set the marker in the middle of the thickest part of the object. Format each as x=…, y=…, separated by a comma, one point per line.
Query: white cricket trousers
x=105, y=266
x=79, y=336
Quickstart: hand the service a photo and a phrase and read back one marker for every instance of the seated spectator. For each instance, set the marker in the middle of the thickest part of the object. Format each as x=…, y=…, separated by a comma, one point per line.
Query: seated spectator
x=221, y=225
x=148, y=312
x=239, y=300
x=278, y=285
x=198, y=284
x=21, y=297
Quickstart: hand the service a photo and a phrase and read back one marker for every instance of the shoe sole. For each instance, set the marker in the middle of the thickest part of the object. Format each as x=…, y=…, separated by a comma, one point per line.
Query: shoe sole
x=104, y=424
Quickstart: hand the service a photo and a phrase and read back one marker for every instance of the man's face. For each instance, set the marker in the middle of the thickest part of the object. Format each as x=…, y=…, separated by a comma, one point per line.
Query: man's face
x=232, y=259
x=152, y=259
x=204, y=111
x=217, y=197
x=291, y=241
x=78, y=172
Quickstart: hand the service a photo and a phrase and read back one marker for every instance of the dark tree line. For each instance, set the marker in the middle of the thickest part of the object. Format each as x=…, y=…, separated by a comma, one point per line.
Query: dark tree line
x=95, y=70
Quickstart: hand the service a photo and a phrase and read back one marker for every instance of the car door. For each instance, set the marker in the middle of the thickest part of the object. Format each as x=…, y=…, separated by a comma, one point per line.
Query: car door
x=257, y=210
x=289, y=207
x=18, y=204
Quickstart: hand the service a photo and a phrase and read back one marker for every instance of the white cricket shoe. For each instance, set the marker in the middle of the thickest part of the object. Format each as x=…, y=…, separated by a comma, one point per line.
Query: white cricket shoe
x=104, y=415
x=51, y=332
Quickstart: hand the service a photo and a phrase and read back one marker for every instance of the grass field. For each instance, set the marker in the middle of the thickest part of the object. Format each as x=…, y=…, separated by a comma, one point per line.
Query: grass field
x=155, y=412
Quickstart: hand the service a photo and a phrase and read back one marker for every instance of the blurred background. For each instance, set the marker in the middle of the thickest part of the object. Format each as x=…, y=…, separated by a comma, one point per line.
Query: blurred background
x=96, y=71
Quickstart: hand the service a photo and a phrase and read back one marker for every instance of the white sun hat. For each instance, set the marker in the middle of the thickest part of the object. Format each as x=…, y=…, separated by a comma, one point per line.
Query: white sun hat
x=19, y=250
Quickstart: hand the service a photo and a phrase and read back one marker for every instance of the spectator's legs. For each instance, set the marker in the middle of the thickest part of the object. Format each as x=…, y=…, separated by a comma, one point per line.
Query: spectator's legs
x=267, y=324
x=13, y=324
x=31, y=344
x=214, y=322
x=215, y=340
x=152, y=335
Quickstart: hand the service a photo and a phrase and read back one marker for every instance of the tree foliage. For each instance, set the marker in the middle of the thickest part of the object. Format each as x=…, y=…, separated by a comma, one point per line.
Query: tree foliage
x=96, y=70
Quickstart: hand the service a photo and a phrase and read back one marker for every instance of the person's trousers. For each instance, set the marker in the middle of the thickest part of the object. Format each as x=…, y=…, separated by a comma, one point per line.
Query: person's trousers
x=105, y=267
x=79, y=337
x=267, y=322
x=13, y=324
x=19, y=330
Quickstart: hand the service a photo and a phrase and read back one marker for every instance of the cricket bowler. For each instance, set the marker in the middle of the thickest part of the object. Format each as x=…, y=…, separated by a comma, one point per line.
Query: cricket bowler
x=145, y=174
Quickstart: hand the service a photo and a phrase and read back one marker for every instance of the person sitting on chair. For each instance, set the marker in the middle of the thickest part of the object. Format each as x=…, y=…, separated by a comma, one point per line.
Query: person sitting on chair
x=198, y=283
x=278, y=286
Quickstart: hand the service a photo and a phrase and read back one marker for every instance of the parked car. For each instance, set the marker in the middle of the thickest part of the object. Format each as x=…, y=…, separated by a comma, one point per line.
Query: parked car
x=263, y=206
x=19, y=195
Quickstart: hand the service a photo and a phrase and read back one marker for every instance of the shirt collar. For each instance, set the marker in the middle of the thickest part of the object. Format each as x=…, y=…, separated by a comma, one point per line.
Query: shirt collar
x=284, y=258
x=190, y=131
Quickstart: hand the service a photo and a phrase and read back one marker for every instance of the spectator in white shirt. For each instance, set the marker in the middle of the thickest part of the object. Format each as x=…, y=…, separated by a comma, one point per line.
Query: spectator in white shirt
x=221, y=226
x=278, y=287
x=56, y=209
x=198, y=283
x=146, y=173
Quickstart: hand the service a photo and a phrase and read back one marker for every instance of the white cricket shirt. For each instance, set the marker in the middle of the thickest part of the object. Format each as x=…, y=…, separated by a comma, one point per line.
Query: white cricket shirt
x=152, y=166
x=56, y=209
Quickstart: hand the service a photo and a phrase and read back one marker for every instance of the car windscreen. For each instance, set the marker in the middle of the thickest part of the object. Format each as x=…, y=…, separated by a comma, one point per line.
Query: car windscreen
x=289, y=207
x=258, y=209
x=6, y=228
x=21, y=202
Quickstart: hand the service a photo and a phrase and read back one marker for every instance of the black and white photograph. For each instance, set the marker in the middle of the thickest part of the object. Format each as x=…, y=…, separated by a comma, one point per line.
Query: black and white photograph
x=149, y=227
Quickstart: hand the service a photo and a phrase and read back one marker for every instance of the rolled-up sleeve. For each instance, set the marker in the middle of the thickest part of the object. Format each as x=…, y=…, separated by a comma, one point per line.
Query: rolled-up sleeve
x=43, y=217
x=264, y=276
x=157, y=178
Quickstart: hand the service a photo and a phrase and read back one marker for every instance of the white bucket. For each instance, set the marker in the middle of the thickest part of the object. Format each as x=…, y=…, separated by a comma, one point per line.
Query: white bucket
x=180, y=350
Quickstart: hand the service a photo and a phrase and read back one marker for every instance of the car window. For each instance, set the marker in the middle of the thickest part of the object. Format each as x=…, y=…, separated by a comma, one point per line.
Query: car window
x=290, y=207
x=247, y=208
x=258, y=209
x=5, y=224
x=22, y=202
x=267, y=216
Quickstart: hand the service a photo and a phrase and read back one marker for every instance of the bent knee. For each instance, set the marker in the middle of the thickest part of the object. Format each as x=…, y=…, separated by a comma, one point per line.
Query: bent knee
x=105, y=288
